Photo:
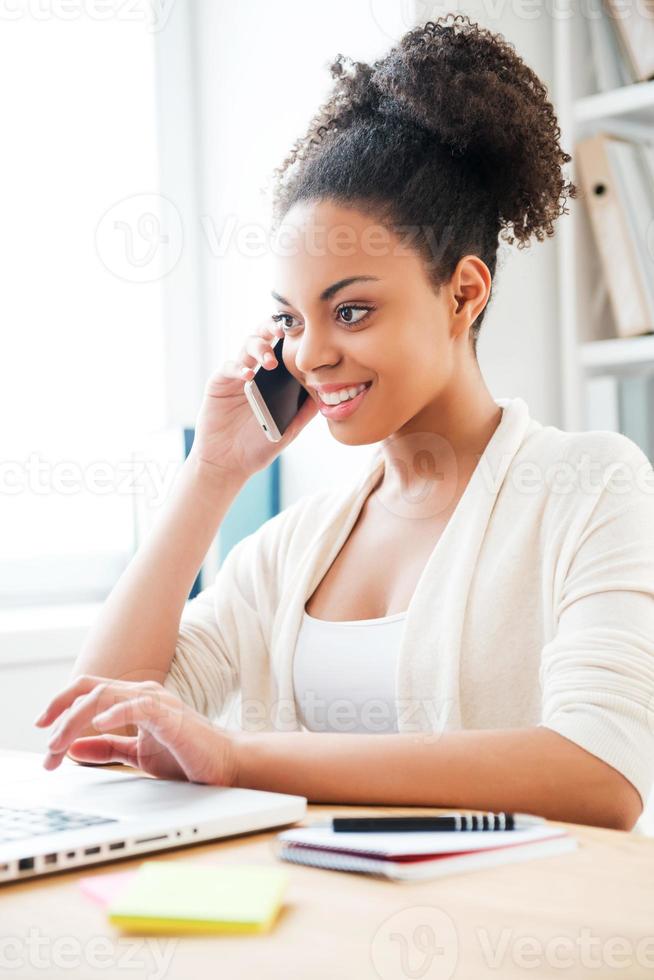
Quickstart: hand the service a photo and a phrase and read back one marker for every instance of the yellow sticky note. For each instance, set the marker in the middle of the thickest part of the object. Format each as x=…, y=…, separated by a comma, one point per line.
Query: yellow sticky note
x=178, y=896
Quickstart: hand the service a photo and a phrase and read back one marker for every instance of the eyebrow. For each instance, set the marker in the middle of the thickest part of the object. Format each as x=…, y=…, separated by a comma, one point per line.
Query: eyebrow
x=330, y=290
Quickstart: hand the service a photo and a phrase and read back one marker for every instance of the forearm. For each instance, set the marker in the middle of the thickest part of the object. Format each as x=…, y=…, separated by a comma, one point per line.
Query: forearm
x=531, y=770
x=135, y=635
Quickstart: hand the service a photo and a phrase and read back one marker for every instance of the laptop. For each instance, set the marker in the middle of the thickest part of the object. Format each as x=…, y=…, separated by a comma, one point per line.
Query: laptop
x=79, y=815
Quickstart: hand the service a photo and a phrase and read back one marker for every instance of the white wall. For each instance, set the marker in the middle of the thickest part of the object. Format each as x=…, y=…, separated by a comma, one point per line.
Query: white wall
x=38, y=646
x=519, y=340
x=262, y=69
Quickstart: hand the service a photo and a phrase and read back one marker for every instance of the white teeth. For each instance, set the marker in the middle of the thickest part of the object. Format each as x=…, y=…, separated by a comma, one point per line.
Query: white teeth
x=343, y=395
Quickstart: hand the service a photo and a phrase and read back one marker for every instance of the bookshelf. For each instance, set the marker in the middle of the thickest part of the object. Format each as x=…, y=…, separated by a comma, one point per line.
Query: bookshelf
x=587, y=336
x=630, y=355
x=631, y=103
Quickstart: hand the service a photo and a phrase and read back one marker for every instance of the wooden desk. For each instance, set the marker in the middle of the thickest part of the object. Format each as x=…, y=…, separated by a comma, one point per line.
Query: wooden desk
x=574, y=915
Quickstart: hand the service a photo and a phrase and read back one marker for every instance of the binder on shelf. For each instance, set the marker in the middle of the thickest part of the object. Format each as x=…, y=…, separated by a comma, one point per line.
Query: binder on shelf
x=636, y=194
x=635, y=31
x=612, y=70
x=608, y=210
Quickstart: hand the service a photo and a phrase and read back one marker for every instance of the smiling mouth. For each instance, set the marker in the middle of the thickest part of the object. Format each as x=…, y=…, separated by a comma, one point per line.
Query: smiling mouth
x=334, y=404
x=344, y=409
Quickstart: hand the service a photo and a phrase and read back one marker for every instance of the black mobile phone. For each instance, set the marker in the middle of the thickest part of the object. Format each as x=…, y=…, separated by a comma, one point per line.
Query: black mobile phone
x=275, y=396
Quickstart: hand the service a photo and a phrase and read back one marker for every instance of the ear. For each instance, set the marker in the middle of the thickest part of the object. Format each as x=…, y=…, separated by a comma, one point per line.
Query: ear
x=470, y=289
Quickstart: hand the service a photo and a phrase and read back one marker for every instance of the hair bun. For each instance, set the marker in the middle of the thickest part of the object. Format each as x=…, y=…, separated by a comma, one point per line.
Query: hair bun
x=467, y=87
x=389, y=132
x=453, y=79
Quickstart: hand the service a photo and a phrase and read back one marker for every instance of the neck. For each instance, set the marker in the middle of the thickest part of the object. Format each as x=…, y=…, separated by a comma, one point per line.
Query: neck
x=429, y=460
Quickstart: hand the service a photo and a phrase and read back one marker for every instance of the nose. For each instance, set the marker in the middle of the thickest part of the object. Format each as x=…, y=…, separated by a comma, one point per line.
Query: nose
x=315, y=349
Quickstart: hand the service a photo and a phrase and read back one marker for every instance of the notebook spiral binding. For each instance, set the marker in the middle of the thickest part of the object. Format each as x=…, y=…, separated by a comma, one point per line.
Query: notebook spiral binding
x=331, y=860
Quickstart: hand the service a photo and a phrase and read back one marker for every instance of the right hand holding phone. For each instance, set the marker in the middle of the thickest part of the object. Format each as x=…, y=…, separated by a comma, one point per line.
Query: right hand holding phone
x=227, y=434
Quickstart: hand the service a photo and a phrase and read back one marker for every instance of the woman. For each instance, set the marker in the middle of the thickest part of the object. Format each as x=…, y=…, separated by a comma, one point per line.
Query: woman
x=482, y=593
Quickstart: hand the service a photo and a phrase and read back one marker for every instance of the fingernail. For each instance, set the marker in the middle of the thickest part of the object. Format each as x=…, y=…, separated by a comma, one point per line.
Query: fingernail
x=37, y=721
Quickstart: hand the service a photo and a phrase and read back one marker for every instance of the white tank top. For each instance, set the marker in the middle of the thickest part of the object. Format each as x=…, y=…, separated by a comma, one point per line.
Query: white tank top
x=344, y=674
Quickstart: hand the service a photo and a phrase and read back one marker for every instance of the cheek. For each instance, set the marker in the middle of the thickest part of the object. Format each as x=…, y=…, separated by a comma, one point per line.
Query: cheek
x=399, y=364
x=422, y=355
x=409, y=376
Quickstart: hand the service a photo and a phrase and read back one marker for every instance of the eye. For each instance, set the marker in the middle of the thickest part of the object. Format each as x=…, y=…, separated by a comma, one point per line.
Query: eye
x=350, y=306
x=362, y=310
x=278, y=317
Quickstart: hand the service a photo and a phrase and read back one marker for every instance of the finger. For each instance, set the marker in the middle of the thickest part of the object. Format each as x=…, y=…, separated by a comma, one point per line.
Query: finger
x=229, y=369
x=202, y=753
x=159, y=716
x=219, y=383
x=259, y=350
x=274, y=330
x=164, y=720
x=105, y=748
x=103, y=696
x=258, y=344
x=81, y=685
x=269, y=328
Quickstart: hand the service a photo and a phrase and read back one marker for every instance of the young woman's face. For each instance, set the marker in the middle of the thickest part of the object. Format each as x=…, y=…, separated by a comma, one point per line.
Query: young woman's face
x=390, y=329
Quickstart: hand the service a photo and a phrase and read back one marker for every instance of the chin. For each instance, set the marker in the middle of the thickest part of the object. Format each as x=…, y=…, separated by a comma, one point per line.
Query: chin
x=352, y=437
x=354, y=441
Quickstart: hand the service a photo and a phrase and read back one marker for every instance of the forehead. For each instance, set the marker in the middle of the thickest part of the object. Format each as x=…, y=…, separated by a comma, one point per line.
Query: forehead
x=322, y=242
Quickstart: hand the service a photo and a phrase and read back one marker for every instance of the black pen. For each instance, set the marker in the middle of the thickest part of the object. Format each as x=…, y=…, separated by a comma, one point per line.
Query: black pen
x=453, y=821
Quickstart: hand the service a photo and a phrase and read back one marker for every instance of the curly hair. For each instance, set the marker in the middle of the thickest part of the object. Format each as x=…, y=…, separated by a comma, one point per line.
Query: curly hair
x=450, y=134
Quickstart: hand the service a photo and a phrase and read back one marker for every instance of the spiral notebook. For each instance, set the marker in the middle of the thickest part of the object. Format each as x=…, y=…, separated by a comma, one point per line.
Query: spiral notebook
x=412, y=856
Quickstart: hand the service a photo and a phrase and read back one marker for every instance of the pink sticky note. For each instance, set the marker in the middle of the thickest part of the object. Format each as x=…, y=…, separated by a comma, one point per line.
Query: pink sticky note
x=104, y=888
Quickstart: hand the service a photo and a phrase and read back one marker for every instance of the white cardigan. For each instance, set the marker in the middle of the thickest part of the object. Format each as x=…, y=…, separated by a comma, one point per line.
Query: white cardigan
x=536, y=606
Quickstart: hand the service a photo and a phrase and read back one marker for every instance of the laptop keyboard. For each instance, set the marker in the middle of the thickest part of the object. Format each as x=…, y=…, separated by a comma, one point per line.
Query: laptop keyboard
x=21, y=823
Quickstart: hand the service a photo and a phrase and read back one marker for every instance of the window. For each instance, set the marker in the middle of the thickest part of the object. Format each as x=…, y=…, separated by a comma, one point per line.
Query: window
x=82, y=358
